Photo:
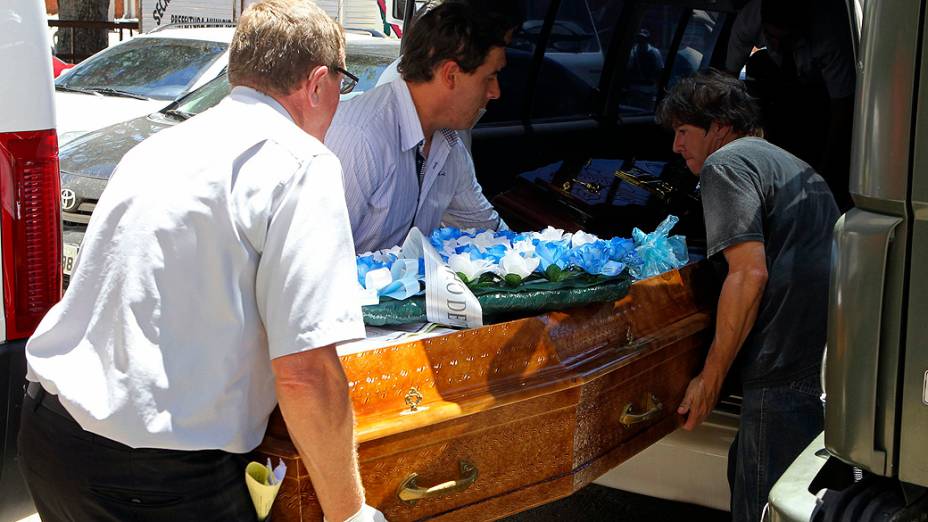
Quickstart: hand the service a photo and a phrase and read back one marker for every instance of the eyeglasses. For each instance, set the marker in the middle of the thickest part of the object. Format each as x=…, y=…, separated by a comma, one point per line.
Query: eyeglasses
x=349, y=81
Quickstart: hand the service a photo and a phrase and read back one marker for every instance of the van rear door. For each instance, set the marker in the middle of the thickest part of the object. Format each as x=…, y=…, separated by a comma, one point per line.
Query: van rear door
x=30, y=218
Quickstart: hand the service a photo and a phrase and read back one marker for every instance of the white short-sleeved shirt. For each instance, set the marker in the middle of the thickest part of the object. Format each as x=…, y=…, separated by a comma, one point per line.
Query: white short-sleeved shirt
x=217, y=245
x=375, y=135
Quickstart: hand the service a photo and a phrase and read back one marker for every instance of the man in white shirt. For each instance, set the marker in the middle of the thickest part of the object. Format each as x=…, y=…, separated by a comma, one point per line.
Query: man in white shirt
x=216, y=276
x=403, y=163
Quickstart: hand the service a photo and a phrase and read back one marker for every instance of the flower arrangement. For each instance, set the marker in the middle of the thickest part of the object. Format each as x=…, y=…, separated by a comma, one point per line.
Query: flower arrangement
x=513, y=259
x=504, y=260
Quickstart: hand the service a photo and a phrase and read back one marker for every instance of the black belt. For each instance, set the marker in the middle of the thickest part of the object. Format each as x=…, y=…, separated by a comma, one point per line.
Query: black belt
x=47, y=400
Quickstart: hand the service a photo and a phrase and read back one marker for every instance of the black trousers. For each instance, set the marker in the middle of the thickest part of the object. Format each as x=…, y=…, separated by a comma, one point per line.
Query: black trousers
x=77, y=476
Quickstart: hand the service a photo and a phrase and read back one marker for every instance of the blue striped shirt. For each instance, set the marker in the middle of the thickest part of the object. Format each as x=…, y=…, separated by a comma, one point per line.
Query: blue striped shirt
x=375, y=135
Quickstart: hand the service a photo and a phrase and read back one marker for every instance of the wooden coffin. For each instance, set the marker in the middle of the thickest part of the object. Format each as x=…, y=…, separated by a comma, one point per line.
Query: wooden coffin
x=514, y=415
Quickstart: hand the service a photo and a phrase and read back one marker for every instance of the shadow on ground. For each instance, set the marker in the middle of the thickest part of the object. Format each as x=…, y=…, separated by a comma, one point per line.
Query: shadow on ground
x=599, y=503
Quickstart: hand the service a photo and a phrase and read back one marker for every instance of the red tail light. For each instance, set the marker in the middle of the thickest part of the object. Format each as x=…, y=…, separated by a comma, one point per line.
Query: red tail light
x=30, y=228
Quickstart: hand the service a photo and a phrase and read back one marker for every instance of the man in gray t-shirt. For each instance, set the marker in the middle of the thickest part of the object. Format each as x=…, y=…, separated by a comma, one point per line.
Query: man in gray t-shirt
x=770, y=216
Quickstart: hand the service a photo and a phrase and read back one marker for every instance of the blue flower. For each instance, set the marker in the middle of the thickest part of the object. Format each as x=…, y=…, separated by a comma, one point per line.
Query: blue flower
x=440, y=235
x=495, y=253
x=612, y=268
x=474, y=252
x=590, y=257
x=619, y=248
x=508, y=234
x=552, y=253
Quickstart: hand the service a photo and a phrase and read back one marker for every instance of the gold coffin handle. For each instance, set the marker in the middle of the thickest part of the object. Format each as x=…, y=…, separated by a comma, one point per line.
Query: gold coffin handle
x=410, y=492
x=654, y=409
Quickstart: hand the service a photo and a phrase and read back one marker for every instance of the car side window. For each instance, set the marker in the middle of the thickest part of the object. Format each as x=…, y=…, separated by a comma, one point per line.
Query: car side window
x=575, y=53
x=514, y=79
x=696, y=47
x=648, y=57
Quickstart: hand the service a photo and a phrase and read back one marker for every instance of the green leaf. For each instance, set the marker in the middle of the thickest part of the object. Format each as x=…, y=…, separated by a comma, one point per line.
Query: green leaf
x=513, y=279
x=554, y=273
x=487, y=277
x=464, y=278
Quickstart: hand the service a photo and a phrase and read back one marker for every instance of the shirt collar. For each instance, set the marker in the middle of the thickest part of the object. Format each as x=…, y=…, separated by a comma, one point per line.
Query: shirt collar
x=251, y=96
x=411, y=133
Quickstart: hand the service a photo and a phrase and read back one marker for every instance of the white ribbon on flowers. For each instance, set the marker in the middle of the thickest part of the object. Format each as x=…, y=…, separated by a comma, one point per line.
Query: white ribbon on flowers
x=448, y=301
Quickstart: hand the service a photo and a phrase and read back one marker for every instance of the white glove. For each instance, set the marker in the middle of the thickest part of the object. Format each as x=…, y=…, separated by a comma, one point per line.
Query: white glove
x=367, y=514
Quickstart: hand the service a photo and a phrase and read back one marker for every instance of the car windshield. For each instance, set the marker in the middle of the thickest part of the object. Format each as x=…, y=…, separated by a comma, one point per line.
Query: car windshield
x=201, y=99
x=367, y=63
x=159, y=68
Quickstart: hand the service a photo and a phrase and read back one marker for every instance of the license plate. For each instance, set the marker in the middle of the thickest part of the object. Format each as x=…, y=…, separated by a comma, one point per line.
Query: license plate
x=67, y=259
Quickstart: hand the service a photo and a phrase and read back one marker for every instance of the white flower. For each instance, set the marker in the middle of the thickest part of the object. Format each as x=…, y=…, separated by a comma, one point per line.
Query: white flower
x=550, y=234
x=377, y=279
x=513, y=263
x=485, y=240
x=448, y=247
x=581, y=238
x=471, y=268
x=524, y=247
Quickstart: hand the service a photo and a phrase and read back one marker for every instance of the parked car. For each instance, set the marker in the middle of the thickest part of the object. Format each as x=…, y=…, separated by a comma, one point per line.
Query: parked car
x=138, y=76
x=87, y=162
x=30, y=235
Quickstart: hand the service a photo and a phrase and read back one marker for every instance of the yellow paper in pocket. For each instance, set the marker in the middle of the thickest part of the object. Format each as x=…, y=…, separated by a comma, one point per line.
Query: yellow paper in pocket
x=263, y=484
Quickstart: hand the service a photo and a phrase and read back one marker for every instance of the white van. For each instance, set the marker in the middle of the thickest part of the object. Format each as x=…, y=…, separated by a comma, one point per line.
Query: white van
x=30, y=222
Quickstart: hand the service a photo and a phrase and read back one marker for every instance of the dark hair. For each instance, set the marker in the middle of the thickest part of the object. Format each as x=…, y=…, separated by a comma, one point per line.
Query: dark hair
x=453, y=30
x=707, y=97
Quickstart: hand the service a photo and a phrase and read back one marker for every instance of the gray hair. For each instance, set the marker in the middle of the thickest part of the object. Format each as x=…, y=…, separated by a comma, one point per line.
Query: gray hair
x=279, y=42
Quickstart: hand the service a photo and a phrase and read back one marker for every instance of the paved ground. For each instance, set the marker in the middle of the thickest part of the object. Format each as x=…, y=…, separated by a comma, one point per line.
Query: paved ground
x=598, y=503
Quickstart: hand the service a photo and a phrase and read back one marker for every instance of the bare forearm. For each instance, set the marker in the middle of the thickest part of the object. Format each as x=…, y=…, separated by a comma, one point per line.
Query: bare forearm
x=739, y=303
x=321, y=424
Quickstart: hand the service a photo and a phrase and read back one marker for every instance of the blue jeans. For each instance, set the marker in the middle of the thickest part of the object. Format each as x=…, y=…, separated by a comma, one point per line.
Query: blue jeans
x=777, y=423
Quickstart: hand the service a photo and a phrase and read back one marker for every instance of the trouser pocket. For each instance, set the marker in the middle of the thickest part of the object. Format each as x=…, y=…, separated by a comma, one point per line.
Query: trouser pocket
x=137, y=498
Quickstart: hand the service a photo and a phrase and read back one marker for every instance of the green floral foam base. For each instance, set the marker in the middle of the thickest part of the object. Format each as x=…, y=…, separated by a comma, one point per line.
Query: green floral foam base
x=501, y=302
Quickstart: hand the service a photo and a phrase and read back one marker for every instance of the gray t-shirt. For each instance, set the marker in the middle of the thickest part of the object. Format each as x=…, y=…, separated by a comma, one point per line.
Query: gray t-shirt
x=755, y=191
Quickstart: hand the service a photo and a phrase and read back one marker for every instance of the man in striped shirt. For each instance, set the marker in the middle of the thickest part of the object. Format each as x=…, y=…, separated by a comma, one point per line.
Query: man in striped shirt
x=403, y=162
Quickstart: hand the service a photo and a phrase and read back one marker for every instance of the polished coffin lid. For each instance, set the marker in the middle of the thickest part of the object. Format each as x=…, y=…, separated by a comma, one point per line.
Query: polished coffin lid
x=527, y=391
